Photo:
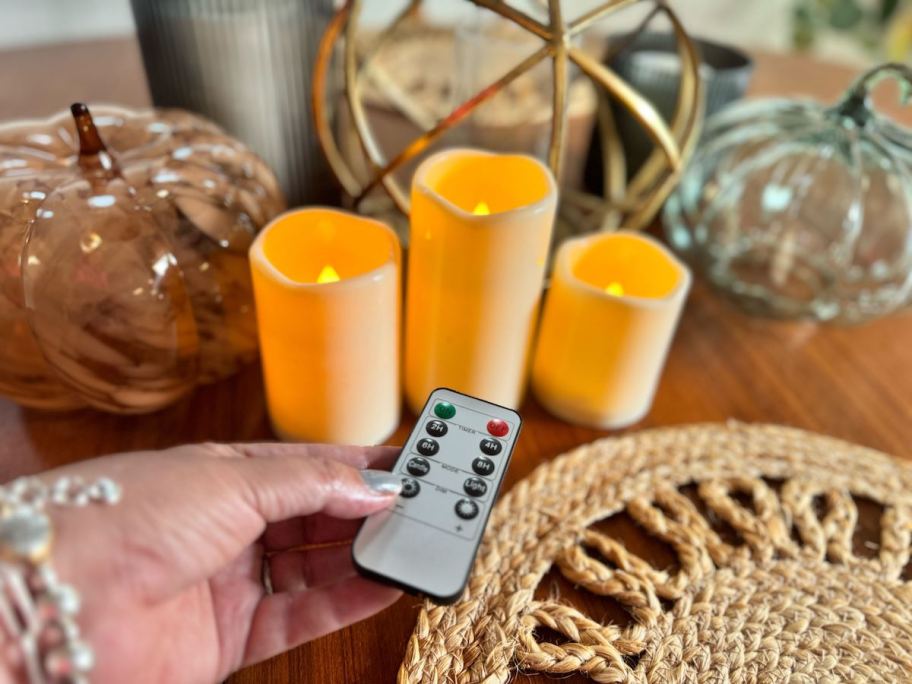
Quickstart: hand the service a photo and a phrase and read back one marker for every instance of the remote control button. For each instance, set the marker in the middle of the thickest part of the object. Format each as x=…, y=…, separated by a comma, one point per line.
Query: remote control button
x=491, y=446
x=445, y=410
x=418, y=467
x=483, y=466
x=410, y=487
x=498, y=427
x=436, y=428
x=475, y=487
x=427, y=447
x=466, y=509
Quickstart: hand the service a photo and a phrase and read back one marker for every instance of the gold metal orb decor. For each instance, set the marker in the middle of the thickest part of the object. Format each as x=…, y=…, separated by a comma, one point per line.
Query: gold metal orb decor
x=630, y=203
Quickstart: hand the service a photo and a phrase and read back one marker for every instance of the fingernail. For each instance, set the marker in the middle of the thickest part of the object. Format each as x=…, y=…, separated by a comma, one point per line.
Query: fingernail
x=382, y=481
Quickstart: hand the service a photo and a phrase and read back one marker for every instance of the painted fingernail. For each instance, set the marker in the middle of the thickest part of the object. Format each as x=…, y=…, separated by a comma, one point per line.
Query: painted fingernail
x=382, y=481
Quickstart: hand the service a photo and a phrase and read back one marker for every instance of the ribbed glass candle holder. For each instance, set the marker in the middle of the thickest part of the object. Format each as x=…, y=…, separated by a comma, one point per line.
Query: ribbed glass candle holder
x=247, y=65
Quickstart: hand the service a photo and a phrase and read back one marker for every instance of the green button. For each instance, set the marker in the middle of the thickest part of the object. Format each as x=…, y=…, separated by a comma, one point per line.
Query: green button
x=444, y=410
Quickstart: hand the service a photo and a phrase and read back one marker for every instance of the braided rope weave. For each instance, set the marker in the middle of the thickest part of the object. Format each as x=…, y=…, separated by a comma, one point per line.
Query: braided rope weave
x=784, y=597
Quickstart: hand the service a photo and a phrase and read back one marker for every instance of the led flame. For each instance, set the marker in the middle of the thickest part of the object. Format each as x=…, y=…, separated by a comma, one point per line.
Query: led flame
x=615, y=289
x=328, y=275
x=481, y=209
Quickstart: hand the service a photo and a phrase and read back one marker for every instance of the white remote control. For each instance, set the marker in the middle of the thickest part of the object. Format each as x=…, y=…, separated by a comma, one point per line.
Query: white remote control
x=451, y=466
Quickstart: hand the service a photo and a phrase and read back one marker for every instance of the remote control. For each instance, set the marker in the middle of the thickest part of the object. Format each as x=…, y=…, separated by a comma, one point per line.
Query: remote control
x=451, y=466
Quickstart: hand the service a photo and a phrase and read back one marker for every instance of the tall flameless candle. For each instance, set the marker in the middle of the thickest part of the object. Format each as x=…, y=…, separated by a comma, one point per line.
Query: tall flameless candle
x=480, y=231
x=327, y=296
x=609, y=318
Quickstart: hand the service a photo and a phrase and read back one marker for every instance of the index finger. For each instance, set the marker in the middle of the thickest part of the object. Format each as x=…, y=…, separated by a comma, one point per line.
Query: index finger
x=381, y=457
x=283, y=487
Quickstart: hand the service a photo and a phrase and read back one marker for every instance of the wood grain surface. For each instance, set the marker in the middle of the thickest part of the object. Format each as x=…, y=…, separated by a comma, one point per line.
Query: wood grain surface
x=854, y=383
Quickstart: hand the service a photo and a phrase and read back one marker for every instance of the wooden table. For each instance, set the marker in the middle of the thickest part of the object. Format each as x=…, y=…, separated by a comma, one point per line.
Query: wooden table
x=854, y=383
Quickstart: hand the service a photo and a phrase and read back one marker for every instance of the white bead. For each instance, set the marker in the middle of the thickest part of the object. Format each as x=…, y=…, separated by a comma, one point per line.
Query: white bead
x=60, y=491
x=82, y=655
x=25, y=535
x=110, y=490
x=66, y=598
x=47, y=575
x=81, y=498
x=69, y=659
x=67, y=628
x=18, y=487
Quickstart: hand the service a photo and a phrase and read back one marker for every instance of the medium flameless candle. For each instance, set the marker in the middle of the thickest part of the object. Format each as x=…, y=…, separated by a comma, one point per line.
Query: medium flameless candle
x=327, y=296
x=609, y=318
x=480, y=231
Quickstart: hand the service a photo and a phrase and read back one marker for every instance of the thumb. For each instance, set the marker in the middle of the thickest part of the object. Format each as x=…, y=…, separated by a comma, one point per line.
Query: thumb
x=286, y=486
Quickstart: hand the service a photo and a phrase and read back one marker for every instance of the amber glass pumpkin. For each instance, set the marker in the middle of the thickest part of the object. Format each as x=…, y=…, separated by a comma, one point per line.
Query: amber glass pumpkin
x=123, y=242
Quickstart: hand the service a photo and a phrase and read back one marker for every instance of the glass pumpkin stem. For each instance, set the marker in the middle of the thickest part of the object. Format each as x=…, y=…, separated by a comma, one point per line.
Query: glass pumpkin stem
x=856, y=105
x=93, y=155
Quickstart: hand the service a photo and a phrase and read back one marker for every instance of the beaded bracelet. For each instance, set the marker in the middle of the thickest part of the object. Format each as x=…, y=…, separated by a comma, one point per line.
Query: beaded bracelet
x=37, y=610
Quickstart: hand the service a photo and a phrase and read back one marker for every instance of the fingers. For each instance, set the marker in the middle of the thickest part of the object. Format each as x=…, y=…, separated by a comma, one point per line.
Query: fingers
x=283, y=486
x=379, y=457
x=317, y=529
x=313, y=529
x=298, y=570
x=283, y=621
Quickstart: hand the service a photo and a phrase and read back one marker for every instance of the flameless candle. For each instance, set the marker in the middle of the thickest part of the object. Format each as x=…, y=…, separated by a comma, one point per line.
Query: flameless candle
x=480, y=230
x=327, y=296
x=608, y=321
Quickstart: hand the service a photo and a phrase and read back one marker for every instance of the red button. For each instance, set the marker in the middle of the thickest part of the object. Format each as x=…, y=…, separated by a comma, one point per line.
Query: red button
x=498, y=428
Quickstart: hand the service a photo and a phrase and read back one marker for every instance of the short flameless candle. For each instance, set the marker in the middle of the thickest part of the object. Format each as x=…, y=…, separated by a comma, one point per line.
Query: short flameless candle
x=480, y=231
x=327, y=296
x=609, y=318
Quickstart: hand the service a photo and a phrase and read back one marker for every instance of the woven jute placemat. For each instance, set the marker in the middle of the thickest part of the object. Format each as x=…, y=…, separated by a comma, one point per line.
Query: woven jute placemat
x=782, y=594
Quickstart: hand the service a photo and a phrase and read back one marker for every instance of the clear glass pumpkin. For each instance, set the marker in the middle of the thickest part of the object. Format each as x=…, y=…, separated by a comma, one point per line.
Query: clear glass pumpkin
x=800, y=210
x=123, y=242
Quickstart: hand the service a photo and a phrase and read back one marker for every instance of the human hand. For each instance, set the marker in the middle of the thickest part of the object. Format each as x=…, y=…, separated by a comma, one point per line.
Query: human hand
x=171, y=578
